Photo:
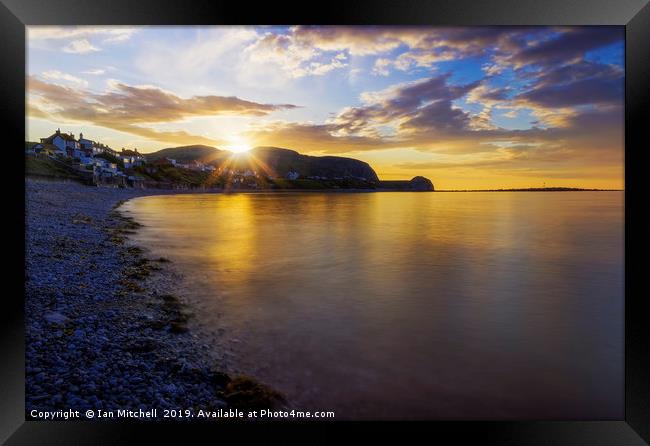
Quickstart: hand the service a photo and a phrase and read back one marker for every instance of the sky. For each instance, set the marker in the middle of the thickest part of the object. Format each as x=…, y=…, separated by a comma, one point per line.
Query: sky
x=467, y=107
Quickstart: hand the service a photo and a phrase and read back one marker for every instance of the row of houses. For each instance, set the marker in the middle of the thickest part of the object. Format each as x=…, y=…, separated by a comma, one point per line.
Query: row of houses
x=238, y=172
x=65, y=144
x=192, y=165
x=88, y=157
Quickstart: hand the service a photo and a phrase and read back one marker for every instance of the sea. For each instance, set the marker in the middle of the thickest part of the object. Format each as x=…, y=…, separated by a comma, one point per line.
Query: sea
x=408, y=305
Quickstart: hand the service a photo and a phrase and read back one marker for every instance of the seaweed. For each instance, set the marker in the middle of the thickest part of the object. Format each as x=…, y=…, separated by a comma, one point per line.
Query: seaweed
x=244, y=392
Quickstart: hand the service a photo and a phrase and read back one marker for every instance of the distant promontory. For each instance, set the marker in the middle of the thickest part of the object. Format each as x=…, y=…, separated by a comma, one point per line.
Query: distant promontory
x=279, y=168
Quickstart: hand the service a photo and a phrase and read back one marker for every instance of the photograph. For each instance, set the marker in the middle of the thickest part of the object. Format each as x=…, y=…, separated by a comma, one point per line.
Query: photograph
x=307, y=223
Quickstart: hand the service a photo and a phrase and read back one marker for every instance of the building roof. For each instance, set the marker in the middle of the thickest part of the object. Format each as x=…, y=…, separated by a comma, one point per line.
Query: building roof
x=129, y=152
x=65, y=136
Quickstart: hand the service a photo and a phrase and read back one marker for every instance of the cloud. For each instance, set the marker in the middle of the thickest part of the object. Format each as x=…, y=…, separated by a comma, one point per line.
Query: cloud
x=381, y=66
x=568, y=45
x=419, y=106
x=372, y=40
x=414, y=59
x=77, y=39
x=554, y=80
x=114, y=33
x=81, y=46
x=301, y=46
x=577, y=103
x=405, y=48
x=494, y=94
x=416, y=47
x=419, y=46
x=150, y=104
x=488, y=98
x=416, y=111
x=95, y=72
x=576, y=71
x=310, y=137
x=438, y=117
x=58, y=75
x=119, y=36
x=275, y=56
x=177, y=137
x=517, y=47
x=422, y=115
x=579, y=83
x=130, y=108
x=583, y=92
x=296, y=58
x=358, y=41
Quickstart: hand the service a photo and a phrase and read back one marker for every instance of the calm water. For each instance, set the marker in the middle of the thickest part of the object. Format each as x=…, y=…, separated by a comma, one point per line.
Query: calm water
x=409, y=305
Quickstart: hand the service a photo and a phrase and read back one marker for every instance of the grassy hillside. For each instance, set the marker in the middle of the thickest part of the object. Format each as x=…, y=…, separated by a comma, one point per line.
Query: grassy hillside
x=47, y=168
x=188, y=153
x=282, y=161
x=276, y=162
x=170, y=174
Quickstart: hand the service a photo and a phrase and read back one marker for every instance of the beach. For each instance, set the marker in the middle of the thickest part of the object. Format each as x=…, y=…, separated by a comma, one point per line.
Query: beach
x=103, y=330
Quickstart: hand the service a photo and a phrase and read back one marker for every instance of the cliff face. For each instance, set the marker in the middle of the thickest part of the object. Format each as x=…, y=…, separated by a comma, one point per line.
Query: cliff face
x=201, y=153
x=416, y=184
x=421, y=184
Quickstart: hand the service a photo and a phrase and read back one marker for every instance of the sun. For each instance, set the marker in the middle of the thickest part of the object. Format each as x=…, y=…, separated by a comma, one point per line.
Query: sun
x=239, y=148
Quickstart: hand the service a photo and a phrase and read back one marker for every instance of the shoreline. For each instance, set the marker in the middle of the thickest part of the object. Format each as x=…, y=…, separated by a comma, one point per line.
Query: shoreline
x=102, y=329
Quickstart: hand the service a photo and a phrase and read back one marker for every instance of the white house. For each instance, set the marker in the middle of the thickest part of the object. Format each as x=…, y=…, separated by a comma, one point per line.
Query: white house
x=62, y=142
x=84, y=143
x=193, y=165
x=291, y=175
x=99, y=148
x=128, y=161
x=101, y=163
x=84, y=158
x=131, y=158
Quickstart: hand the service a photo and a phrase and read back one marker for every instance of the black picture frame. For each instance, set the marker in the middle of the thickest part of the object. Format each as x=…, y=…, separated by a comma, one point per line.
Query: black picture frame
x=634, y=429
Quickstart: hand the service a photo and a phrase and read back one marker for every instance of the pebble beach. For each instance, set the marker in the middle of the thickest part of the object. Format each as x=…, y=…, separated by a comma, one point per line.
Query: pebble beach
x=103, y=331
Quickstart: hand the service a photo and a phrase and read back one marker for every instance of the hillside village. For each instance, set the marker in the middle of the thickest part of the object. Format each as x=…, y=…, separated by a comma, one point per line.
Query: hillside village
x=99, y=164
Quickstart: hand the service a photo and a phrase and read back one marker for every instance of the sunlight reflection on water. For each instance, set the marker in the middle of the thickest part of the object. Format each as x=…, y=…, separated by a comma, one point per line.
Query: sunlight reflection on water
x=411, y=305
